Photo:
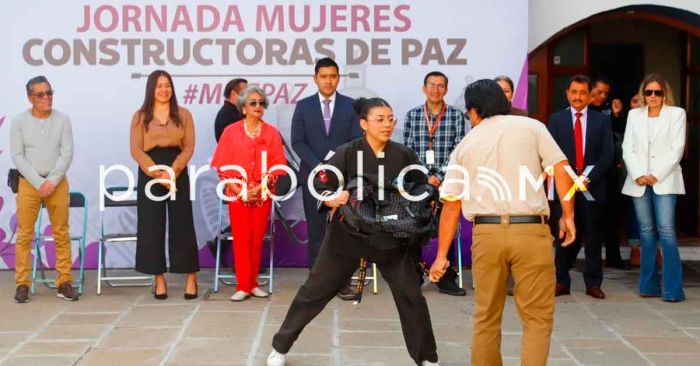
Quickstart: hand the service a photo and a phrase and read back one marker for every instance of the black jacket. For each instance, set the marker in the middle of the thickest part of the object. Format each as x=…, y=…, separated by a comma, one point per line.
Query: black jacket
x=341, y=238
x=227, y=115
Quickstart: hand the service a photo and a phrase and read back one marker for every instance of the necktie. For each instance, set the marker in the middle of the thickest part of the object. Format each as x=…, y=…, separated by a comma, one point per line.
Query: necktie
x=578, y=136
x=327, y=114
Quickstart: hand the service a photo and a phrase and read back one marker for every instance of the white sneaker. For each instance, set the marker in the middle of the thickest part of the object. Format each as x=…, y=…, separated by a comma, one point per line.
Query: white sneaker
x=240, y=296
x=258, y=292
x=428, y=363
x=275, y=359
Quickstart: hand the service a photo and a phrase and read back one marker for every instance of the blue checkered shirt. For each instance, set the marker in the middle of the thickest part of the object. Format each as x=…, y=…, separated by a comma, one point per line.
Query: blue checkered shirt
x=449, y=133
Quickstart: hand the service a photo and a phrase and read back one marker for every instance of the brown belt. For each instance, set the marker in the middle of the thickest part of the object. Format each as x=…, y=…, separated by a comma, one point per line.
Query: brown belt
x=506, y=219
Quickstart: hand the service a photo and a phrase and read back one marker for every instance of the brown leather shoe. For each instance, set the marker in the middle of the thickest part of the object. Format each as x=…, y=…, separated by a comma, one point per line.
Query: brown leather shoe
x=22, y=294
x=66, y=292
x=595, y=292
x=347, y=293
x=562, y=289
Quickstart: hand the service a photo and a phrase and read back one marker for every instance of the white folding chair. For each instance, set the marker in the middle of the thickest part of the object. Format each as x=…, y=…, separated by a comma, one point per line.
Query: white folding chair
x=77, y=200
x=116, y=239
x=373, y=278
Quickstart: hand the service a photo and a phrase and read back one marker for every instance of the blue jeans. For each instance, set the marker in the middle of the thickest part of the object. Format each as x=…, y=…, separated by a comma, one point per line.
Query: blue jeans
x=656, y=215
x=631, y=223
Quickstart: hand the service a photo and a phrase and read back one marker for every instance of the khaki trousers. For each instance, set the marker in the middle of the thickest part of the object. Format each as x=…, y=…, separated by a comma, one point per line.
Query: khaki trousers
x=28, y=204
x=525, y=250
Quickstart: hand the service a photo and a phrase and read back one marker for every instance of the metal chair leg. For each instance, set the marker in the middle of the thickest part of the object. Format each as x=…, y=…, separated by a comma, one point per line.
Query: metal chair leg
x=81, y=276
x=375, y=277
x=217, y=265
x=459, y=256
x=100, y=266
x=272, y=264
x=34, y=264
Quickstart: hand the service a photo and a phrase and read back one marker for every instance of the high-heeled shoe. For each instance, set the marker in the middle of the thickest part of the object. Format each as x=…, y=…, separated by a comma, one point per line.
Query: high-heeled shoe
x=162, y=296
x=194, y=295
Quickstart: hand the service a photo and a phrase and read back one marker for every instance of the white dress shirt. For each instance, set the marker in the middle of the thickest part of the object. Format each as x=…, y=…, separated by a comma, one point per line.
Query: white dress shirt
x=321, y=98
x=584, y=122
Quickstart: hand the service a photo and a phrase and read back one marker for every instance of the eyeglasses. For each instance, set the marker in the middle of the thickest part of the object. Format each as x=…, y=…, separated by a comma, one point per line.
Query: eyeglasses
x=435, y=86
x=383, y=121
x=255, y=103
x=657, y=92
x=41, y=95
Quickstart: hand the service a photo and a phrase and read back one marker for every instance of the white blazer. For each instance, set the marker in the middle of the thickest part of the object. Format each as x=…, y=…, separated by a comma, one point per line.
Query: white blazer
x=660, y=159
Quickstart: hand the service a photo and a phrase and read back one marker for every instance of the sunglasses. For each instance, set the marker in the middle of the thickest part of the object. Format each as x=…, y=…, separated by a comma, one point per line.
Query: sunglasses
x=657, y=92
x=48, y=93
x=255, y=103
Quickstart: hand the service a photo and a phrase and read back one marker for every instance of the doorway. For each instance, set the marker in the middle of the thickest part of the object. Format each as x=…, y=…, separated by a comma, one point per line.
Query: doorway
x=622, y=64
x=624, y=45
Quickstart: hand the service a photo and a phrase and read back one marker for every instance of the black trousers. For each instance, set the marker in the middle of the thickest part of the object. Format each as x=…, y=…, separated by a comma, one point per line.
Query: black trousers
x=613, y=219
x=331, y=272
x=588, y=216
x=315, y=224
x=182, y=241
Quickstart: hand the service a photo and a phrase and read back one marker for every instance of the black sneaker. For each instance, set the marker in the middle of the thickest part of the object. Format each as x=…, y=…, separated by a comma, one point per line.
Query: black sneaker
x=22, y=294
x=448, y=284
x=66, y=292
x=347, y=293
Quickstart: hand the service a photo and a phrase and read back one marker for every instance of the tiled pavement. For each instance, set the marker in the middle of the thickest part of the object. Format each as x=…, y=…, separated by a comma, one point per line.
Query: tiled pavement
x=126, y=326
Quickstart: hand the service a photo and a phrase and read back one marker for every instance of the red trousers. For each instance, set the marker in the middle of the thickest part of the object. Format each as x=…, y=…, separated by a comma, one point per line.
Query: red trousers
x=248, y=226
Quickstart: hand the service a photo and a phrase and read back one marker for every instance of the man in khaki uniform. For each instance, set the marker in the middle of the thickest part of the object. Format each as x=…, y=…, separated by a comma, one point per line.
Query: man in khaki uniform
x=511, y=233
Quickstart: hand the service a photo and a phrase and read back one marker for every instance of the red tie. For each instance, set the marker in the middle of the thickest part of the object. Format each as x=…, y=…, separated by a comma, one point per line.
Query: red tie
x=578, y=135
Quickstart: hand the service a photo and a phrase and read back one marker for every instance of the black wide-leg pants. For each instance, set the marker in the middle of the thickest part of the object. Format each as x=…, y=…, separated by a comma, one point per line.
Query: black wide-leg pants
x=182, y=241
x=332, y=271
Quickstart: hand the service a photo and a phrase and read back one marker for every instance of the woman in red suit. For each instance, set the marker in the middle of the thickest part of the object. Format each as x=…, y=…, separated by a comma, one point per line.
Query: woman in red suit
x=240, y=150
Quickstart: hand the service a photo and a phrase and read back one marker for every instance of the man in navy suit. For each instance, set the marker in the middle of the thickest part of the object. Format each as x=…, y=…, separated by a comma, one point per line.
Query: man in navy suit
x=585, y=137
x=320, y=124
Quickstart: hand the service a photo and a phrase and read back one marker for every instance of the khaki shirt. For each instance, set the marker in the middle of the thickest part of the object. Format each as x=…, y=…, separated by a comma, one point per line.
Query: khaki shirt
x=168, y=135
x=499, y=155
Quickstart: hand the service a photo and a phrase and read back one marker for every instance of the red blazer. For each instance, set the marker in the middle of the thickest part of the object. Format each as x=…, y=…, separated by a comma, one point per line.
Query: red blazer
x=236, y=148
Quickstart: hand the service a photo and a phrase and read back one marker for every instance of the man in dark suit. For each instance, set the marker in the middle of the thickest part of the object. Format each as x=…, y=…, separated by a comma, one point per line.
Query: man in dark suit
x=615, y=201
x=320, y=124
x=229, y=113
x=585, y=137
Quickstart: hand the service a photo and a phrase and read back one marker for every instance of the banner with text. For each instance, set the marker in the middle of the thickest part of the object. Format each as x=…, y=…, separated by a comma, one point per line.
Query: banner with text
x=97, y=55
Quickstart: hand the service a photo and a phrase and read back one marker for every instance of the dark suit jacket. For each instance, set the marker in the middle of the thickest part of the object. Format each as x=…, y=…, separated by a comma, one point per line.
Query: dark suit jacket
x=598, y=150
x=228, y=114
x=309, y=138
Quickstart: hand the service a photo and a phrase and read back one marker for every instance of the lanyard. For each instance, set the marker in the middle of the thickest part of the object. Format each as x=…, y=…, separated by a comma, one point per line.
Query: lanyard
x=433, y=128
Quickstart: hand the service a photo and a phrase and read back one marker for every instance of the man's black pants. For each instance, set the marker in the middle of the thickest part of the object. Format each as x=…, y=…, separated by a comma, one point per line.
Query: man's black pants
x=588, y=218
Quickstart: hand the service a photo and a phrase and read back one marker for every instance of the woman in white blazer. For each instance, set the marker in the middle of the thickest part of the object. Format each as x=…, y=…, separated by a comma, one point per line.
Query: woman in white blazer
x=652, y=149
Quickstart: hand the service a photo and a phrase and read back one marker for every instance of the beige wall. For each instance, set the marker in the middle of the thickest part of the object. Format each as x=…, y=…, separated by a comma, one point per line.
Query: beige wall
x=663, y=46
x=547, y=17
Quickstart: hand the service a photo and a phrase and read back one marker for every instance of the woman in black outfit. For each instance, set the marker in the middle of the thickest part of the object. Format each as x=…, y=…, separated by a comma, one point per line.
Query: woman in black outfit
x=162, y=133
x=343, y=246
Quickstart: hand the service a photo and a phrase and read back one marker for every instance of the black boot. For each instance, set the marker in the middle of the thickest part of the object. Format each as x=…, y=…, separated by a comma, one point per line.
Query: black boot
x=448, y=284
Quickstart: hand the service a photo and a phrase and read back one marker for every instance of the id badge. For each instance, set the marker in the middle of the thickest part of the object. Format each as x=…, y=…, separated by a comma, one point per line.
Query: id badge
x=430, y=157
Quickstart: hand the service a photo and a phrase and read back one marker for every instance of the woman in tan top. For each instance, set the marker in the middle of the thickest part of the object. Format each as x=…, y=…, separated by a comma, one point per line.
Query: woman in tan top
x=163, y=134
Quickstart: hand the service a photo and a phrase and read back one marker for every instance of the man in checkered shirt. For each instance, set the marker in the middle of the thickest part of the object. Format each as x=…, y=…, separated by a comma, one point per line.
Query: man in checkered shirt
x=433, y=129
